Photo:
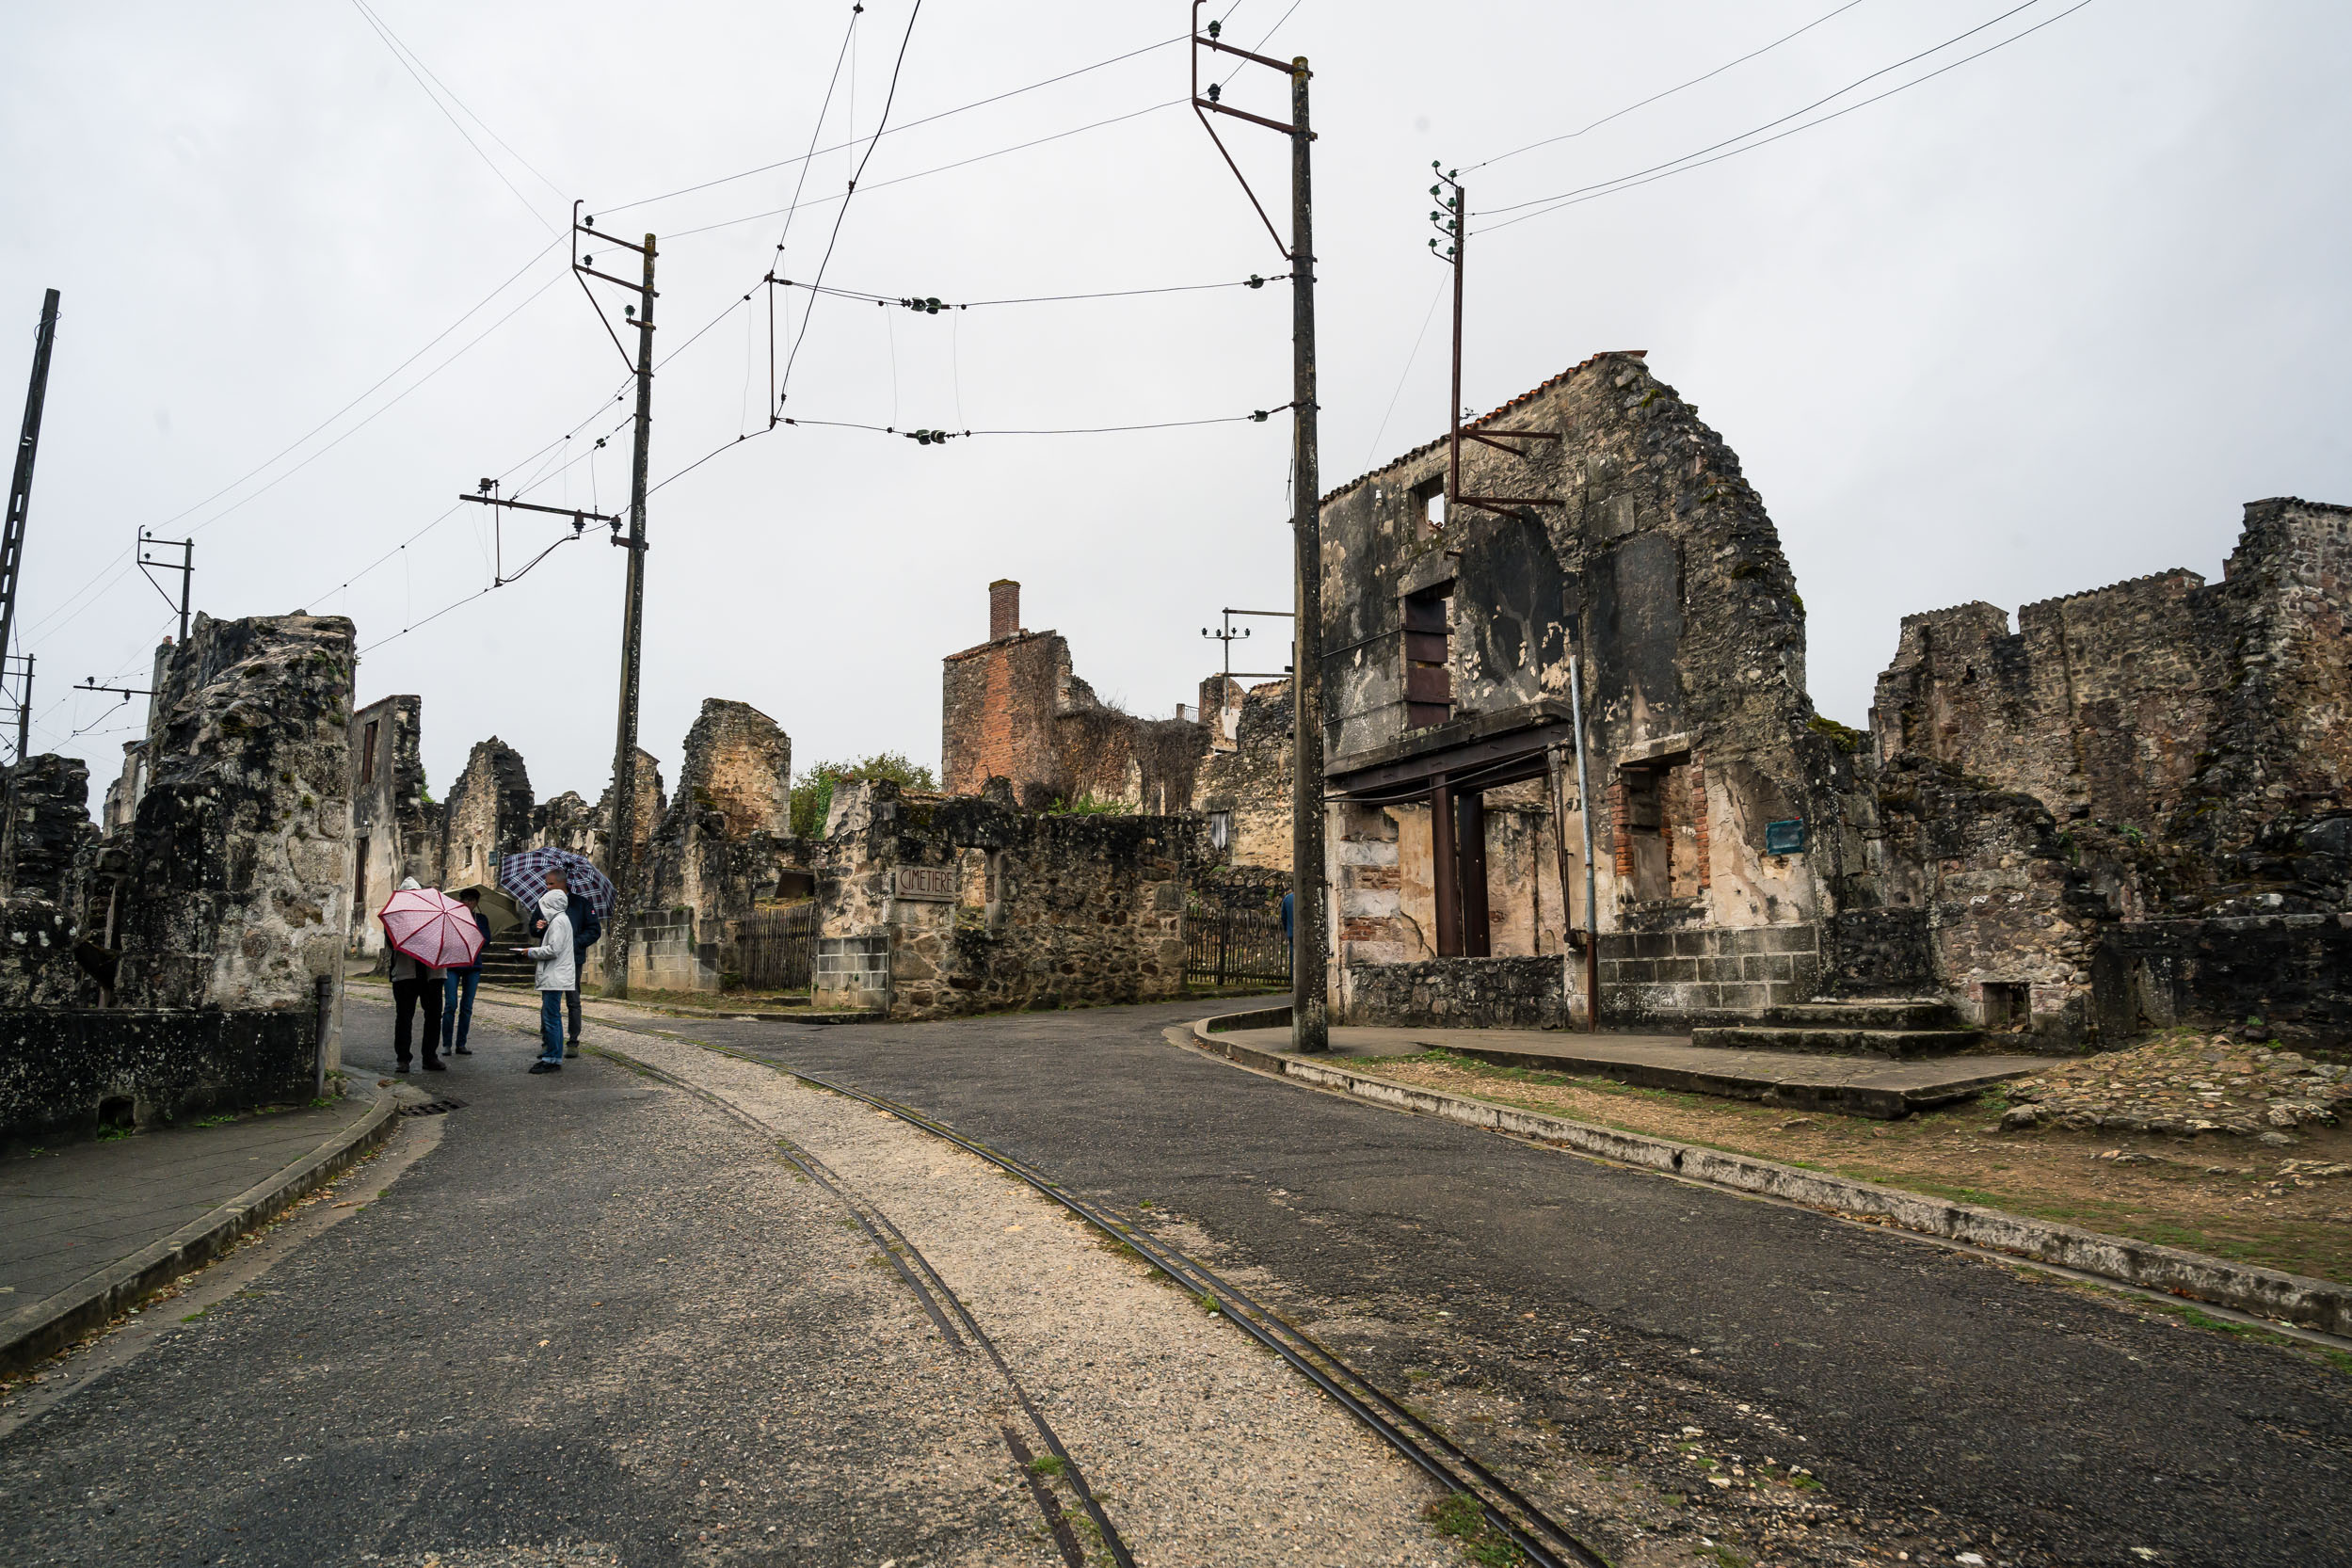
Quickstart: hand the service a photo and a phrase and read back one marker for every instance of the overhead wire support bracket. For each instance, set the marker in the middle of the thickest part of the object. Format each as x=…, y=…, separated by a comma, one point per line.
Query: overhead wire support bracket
x=1201, y=105
x=581, y=517
x=643, y=290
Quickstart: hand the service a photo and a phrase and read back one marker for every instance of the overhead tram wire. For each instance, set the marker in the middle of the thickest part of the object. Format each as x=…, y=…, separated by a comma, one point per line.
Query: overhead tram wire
x=841, y=213
x=1639, y=175
x=1647, y=177
x=934, y=306
x=1644, y=104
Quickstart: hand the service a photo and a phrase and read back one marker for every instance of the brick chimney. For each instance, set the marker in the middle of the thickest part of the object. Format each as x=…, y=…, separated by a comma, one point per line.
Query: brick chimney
x=1004, y=609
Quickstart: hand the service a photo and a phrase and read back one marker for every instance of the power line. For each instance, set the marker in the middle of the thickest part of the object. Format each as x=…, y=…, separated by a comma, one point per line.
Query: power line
x=122, y=561
x=921, y=173
x=817, y=153
x=1619, y=114
x=490, y=163
x=841, y=213
x=1643, y=176
x=488, y=129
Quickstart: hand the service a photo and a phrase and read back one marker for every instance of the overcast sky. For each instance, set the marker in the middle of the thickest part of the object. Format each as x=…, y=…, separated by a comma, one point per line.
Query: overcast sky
x=2038, y=324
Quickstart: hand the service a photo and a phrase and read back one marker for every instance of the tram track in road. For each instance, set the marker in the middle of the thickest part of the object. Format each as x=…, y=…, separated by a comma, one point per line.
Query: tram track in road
x=939, y=1302
x=1542, y=1538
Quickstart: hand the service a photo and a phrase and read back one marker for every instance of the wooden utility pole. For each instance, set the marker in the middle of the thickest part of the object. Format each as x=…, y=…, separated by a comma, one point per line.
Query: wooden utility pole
x=621, y=848
x=1310, y=985
x=1310, y=922
x=21, y=495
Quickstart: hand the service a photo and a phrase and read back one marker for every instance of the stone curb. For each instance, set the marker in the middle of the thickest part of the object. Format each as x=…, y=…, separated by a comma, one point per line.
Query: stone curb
x=2315, y=1304
x=32, y=1333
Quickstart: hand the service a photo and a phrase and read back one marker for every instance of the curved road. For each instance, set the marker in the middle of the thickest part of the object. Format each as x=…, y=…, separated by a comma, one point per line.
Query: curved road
x=1543, y=1303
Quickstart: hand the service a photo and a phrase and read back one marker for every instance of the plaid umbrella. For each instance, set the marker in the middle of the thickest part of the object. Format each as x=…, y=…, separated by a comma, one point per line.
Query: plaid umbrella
x=524, y=876
x=431, y=927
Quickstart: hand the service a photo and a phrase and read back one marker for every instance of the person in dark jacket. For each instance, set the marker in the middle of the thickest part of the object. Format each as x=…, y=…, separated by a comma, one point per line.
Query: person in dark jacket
x=457, y=1002
x=412, y=984
x=585, y=929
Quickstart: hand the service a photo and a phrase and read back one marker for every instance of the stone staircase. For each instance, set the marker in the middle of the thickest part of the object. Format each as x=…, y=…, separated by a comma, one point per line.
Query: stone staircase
x=1893, y=1027
x=502, y=965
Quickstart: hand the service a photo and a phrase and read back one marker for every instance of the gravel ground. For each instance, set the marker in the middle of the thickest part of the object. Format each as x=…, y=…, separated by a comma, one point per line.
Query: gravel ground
x=1206, y=1451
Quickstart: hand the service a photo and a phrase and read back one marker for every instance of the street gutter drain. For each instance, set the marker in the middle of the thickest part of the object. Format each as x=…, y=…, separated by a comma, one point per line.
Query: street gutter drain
x=434, y=1108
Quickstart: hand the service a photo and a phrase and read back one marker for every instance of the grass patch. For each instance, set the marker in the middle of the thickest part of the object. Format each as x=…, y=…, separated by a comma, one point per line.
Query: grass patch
x=1461, y=1519
x=1047, y=1466
x=2209, y=1194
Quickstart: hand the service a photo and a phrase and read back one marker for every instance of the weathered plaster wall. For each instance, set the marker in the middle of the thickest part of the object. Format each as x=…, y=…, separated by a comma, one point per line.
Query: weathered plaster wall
x=1661, y=556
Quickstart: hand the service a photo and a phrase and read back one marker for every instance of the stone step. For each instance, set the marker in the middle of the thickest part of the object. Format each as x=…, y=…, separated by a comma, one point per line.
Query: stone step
x=1895, y=1043
x=1866, y=1013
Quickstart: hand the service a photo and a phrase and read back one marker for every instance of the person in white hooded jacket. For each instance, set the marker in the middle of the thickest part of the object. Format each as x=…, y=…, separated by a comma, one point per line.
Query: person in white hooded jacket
x=558, y=974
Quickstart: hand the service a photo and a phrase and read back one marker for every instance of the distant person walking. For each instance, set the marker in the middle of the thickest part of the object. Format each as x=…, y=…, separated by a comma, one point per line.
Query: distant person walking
x=412, y=984
x=556, y=975
x=457, y=1002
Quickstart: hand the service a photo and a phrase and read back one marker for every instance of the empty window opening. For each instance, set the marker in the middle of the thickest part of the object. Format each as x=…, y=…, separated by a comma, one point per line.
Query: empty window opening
x=1428, y=502
x=1429, y=688
x=367, y=755
x=1658, y=832
x=359, y=876
x=2008, y=1005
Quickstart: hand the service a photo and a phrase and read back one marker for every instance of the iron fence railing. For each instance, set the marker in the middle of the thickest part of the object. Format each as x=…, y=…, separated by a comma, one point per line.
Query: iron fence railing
x=1233, y=935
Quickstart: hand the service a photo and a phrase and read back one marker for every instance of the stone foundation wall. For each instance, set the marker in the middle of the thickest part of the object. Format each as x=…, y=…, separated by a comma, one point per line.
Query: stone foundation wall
x=853, y=971
x=1458, y=993
x=1043, y=910
x=2293, y=971
x=66, y=1072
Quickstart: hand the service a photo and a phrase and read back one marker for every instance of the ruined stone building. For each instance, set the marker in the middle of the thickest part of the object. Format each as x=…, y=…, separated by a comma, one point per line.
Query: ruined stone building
x=191, y=956
x=932, y=906
x=703, y=861
x=1750, y=854
x=1012, y=708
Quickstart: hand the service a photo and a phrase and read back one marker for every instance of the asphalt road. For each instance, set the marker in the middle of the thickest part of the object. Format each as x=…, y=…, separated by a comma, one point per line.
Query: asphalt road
x=1946, y=1403
x=598, y=1324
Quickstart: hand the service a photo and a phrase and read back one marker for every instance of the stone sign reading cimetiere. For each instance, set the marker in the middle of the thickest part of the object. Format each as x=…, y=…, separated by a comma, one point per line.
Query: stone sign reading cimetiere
x=935, y=883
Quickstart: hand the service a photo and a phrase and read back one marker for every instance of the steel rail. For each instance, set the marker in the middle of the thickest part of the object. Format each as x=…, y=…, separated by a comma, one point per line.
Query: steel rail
x=900, y=1251
x=1179, y=1267
x=1563, y=1547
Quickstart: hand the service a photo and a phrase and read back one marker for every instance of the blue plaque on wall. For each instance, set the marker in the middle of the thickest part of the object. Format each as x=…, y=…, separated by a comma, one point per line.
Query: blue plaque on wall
x=1785, y=838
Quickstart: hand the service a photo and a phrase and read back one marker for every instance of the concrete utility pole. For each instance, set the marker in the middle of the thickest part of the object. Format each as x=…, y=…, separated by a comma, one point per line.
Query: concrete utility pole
x=1310, y=924
x=21, y=496
x=621, y=849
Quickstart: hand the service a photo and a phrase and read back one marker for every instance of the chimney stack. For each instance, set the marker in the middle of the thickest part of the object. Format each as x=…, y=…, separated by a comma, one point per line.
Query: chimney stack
x=1004, y=609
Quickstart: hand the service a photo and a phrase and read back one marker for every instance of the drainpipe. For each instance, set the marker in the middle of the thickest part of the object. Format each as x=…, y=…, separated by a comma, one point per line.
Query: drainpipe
x=1591, y=893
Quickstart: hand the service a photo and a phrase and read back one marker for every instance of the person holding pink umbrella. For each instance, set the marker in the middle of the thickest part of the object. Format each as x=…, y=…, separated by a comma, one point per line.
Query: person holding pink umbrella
x=413, y=983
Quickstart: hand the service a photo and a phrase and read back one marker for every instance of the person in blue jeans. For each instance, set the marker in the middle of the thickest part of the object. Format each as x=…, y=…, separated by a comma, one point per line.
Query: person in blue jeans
x=556, y=976
x=458, y=1004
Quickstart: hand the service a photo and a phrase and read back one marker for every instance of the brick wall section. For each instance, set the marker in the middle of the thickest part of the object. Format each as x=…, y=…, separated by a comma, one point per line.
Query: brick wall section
x=1004, y=609
x=1699, y=818
x=997, y=715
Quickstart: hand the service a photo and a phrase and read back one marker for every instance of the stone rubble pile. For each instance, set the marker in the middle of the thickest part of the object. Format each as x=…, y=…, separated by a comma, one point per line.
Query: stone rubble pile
x=2184, y=1084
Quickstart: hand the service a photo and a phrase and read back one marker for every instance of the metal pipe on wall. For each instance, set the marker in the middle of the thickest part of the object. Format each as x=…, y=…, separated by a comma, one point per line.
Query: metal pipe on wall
x=1592, y=882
